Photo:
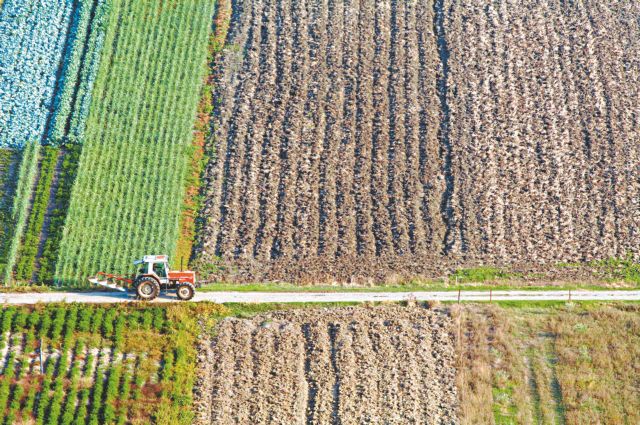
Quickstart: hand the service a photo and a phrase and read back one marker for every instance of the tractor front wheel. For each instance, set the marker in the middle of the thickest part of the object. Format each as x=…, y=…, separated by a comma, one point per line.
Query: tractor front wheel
x=185, y=291
x=147, y=289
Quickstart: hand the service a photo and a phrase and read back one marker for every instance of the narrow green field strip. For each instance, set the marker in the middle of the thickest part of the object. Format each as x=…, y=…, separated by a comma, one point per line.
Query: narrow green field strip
x=145, y=58
x=10, y=166
x=19, y=211
x=155, y=119
x=110, y=162
x=31, y=240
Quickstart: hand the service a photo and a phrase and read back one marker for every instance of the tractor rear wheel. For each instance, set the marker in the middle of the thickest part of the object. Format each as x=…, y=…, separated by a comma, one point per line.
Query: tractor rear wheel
x=185, y=291
x=147, y=289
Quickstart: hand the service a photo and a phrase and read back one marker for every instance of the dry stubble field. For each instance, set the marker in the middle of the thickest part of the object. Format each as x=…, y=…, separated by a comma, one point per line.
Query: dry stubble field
x=365, y=140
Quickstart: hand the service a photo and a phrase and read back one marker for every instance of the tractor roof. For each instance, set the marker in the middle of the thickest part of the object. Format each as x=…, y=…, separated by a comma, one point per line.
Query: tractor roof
x=152, y=259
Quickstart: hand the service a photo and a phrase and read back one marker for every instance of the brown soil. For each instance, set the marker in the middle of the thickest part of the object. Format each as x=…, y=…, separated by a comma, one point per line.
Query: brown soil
x=352, y=365
x=362, y=140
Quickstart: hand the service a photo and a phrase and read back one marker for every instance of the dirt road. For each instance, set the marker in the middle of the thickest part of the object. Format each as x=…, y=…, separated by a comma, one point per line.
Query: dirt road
x=292, y=297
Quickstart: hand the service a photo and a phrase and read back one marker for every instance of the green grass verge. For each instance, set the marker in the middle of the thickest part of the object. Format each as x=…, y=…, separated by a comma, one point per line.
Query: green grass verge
x=426, y=287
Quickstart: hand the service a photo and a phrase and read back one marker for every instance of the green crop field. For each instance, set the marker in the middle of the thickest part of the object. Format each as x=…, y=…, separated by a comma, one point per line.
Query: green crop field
x=98, y=365
x=126, y=200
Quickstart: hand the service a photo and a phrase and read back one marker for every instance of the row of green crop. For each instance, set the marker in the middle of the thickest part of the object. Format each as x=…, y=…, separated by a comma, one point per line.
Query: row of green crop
x=58, y=214
x=82, y=59
x=9, y=166
x=52, y=164
x=92, y=389
x=31, y=240
x=49, y=323
x=137, y=142
x=19, y=211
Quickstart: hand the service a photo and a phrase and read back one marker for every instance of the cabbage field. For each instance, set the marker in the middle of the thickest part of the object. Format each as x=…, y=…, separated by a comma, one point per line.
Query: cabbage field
x=32, y=41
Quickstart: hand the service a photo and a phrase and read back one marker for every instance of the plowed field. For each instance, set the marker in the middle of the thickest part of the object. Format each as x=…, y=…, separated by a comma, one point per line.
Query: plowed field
x=343, y=366
x=364, y=139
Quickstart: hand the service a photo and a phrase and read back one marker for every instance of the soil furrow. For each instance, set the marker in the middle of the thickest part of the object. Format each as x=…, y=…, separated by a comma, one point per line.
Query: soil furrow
x=368, y=142
x=348, y=365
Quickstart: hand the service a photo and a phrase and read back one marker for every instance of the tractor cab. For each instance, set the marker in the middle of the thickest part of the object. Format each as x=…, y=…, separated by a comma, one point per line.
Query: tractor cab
x=156, y=266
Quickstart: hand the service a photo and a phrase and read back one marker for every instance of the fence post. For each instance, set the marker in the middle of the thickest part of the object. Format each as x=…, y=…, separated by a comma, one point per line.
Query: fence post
x=458, y=295
x=569, y=295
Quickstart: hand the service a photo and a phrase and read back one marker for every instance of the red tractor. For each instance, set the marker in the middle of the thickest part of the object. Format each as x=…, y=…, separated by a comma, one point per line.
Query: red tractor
x=153, y=276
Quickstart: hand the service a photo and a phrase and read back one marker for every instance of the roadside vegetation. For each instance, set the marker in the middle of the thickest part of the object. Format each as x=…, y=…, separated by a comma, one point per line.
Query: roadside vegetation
x=549, y=363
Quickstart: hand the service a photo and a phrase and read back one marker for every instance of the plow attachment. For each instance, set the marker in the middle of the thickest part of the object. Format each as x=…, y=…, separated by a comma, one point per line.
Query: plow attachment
x=111, y=281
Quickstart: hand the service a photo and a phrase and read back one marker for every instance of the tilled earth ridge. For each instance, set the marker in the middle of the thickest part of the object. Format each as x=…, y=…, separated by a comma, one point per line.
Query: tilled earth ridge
x=355, y=365
x=365, y=139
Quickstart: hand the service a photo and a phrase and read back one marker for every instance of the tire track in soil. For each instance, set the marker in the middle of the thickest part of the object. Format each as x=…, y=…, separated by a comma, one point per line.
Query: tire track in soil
x=430, y=165
x=411, y=181
x=366, y=370
x=395, y=160
x=345, y=205
x=271, y=141
x=599, y=25
x=260, y=106
x=365, y=243
x=446, y=148
x=257, y=52
x=242, y=32
x=283, y=102
x=290, y=157
x=470, y=100
x=310, y=40
x=489, y=105
x=237, y=132
x=318, y=32
x=312, y=386
x=333, y=331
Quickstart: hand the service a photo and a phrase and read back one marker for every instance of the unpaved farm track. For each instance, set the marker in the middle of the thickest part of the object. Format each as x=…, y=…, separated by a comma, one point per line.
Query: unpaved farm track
x=327, y=297
x=352, y=365
x=385, y=139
